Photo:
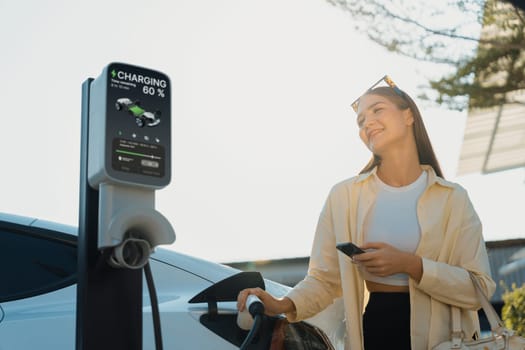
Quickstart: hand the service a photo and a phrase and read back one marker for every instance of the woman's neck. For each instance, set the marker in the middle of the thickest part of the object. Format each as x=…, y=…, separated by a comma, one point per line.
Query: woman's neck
x=399, y=172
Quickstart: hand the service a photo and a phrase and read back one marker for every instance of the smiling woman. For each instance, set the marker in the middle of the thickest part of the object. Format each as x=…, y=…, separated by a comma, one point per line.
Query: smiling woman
x=420, y=234
x=393, y=97
x=381, y=115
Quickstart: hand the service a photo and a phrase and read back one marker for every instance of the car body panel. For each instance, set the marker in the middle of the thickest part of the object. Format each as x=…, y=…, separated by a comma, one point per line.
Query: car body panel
x=47, y=320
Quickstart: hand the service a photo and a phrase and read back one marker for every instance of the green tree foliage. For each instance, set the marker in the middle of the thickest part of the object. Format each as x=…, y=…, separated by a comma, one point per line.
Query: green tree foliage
x=513, y=312
x=481, y=43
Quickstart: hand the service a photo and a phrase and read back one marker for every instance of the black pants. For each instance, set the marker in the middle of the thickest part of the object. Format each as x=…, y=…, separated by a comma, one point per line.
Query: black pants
x=386, y=321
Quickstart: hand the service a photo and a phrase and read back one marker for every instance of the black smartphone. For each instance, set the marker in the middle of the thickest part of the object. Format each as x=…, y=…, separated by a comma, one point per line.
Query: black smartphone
x=349, y=248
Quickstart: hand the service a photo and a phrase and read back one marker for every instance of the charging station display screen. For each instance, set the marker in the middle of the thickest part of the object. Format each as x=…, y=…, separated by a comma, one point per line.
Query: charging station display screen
x=138, y=124
x=138, y=157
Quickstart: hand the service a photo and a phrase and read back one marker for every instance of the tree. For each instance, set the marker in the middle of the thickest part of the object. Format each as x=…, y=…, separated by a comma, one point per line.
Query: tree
x=513, y=311
x=482, y=45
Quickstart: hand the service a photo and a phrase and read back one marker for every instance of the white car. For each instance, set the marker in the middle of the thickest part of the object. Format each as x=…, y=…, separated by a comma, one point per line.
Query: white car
x=38, y=266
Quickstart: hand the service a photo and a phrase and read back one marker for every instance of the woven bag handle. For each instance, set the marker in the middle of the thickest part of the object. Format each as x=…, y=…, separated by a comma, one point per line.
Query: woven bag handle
x=496, y=325
x=493, y=317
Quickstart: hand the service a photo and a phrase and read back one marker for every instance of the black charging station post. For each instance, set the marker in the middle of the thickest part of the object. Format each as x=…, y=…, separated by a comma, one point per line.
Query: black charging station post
x=122, y=163
x=109, y=300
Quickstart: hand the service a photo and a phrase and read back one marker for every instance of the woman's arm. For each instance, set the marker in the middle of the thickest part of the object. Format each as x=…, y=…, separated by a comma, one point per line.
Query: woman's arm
x=322, y=283
x=446, y=277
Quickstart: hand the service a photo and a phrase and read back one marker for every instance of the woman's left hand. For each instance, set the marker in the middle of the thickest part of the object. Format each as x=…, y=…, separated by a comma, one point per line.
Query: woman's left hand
x=382, y=259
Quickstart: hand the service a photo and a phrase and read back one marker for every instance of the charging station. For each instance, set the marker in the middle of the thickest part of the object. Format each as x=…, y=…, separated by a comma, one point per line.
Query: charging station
x=125, y=158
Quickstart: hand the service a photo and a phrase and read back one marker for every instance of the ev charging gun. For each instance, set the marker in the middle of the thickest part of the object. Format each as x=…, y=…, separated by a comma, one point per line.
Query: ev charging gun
x=254, y=307
x=250, y=319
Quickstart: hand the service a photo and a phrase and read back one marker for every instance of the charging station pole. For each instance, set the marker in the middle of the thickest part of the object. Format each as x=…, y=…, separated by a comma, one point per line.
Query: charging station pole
x=125, y=156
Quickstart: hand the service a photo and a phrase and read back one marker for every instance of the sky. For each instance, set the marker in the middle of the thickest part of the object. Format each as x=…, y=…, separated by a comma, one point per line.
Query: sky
x=261, y=121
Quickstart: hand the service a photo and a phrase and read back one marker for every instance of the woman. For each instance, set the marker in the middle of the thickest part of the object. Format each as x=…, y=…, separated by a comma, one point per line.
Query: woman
x=420, y=232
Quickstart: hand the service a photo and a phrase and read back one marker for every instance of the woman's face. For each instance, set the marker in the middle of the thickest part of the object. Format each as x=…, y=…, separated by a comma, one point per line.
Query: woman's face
x=382, y=125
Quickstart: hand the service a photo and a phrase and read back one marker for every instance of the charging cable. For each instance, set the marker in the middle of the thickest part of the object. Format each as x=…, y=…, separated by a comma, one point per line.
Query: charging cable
x=254, y=309
x=154, y=307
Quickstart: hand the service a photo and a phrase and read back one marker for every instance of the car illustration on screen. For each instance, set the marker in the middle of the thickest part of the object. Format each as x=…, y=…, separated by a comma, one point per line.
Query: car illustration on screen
x=142, y=117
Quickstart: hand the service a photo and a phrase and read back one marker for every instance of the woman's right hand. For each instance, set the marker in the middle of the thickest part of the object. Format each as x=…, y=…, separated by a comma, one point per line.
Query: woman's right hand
x=272, y=306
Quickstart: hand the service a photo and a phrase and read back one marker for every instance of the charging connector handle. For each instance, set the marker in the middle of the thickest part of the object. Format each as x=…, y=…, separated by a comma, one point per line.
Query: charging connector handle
x=254, y=305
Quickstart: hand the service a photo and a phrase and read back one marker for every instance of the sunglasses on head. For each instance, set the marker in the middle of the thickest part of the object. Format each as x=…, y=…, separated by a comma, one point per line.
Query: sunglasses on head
x=385, y=79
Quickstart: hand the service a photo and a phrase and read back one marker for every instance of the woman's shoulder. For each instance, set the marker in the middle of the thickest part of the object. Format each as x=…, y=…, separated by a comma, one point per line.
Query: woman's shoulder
x=454, y=186
x=450, y=189
x=344, y=187
x=346, y=183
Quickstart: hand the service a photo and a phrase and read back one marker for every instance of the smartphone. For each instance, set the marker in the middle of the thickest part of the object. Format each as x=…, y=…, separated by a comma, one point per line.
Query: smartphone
x=349, y=248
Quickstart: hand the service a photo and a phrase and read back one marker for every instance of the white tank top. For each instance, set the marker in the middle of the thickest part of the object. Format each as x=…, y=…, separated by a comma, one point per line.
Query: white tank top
x=393, y=220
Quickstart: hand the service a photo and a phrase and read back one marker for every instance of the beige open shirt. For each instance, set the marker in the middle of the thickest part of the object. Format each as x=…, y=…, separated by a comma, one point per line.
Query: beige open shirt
x=451, y=244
